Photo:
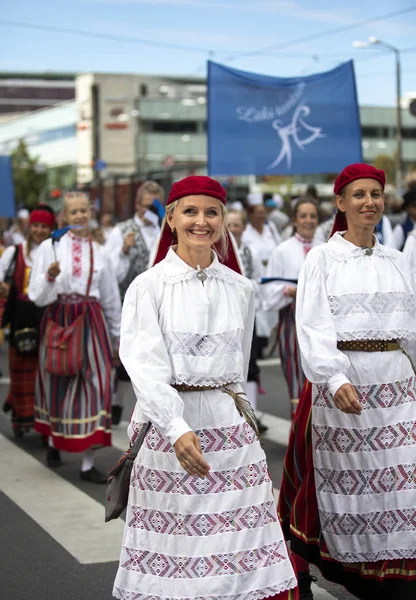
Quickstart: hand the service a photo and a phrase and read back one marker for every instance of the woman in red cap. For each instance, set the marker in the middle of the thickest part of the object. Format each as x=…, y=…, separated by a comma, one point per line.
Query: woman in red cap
x=201, y=522
x=352, y=454
x=24, y=318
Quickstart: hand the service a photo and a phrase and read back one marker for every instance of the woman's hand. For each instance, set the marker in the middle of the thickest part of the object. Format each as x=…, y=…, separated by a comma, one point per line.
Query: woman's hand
x=54, y=270
x=346, y=399
x=189, y=453
x=291, y=291
x=4, y=290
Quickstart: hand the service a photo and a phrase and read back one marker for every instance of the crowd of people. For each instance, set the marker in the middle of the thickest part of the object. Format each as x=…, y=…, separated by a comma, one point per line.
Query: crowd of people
x=177, y=305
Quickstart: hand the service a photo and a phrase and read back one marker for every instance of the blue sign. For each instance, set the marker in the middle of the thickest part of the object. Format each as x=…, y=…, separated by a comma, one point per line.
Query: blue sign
x=7, y=206
x=261, y=125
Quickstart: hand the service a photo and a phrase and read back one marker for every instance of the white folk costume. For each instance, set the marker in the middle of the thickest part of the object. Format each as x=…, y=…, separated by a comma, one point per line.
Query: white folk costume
x=76, y=410
x=262, y=245
x=355, y=318
x=286, y=262
x=185, y=537
x=364, y=465
x=409, y=250
x=128, y=266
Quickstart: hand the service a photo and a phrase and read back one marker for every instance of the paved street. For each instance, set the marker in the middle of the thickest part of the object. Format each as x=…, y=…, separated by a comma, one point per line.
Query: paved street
x=55, y=544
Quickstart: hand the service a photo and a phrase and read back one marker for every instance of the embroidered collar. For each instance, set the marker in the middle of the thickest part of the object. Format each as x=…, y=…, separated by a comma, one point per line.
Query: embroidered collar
x=339, y=245
x=175, y=269
x=303, y=240
x=77, y=238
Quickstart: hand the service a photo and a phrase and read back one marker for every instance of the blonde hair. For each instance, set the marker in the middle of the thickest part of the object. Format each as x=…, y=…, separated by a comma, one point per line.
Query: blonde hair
x=150, y=187
x=67, y=197
x=223, y=241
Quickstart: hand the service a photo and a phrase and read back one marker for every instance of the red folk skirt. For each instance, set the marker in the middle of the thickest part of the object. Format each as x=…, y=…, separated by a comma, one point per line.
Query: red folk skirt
x=21, y=396
x=298, y=513
x=76, y=411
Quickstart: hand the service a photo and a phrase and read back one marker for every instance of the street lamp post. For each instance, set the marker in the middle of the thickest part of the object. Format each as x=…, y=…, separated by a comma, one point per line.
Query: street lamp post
x=399, y=144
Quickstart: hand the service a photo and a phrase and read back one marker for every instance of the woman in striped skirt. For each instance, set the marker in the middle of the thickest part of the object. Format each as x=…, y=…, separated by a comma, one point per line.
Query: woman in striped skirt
x=75, y=411
x=286, y=262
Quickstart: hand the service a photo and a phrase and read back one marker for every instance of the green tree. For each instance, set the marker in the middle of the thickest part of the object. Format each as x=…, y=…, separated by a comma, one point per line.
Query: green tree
x=386, y=162
x=29, y=177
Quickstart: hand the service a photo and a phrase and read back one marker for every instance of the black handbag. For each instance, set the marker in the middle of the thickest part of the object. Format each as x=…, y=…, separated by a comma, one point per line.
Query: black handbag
x=10, y=303
x=117, y=493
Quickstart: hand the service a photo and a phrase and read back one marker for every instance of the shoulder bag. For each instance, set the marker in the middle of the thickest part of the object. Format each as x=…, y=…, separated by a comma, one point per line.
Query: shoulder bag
x=117, y=493
x=65, y=344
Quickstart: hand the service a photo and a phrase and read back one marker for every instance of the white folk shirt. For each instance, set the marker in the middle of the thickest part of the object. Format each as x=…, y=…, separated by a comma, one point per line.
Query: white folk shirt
x=409, y=250
x=190, y=333
x=7, y=257
x=286, y=261
x=263, y=243
x=73, y=254
x=364, y=465
x=115, y=242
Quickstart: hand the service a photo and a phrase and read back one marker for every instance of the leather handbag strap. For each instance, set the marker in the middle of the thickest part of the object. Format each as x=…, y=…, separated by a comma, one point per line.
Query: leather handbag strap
x=91, y=268
x=138, y=442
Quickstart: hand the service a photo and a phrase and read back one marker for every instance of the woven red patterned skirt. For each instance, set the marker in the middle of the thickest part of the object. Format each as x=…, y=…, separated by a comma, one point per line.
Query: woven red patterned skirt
x=76, y=411
x=21, y=396
x=298, y=513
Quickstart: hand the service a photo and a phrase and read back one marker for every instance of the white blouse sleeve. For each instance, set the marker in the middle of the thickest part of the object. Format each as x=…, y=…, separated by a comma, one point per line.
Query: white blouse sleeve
x=110, y=298
x=144, y=355
x=322, y=362
x=248, y=331
x=119, y=260
x=41, y=290
x=409, y=251
x=6, y=261
x=274, y=297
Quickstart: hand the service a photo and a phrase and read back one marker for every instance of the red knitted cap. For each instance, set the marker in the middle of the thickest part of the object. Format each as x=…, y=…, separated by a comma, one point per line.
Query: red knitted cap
x=358, y=171
x=38, y=215
x=194, y=185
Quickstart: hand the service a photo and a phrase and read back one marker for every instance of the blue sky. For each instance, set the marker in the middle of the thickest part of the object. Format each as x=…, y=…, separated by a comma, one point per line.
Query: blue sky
x=221, y=29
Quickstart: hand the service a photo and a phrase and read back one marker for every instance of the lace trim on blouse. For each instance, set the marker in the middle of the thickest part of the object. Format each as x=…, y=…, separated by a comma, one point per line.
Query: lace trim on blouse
x=200, y=381
x=210, y=272
x=194, y=344
x=379, y=303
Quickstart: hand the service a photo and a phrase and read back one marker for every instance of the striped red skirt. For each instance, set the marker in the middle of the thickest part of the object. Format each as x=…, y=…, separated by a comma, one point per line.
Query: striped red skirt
x=76, y=411
x=289, y=351
x=298, y=513
x=21, y=396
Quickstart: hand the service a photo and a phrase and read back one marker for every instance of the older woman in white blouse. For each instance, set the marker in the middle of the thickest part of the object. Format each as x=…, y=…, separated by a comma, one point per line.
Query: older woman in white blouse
x=201, y=521
x=75, y=412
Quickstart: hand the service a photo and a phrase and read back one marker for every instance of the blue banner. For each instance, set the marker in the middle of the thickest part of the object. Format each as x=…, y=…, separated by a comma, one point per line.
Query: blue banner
x=261, y=125
x=7, y=206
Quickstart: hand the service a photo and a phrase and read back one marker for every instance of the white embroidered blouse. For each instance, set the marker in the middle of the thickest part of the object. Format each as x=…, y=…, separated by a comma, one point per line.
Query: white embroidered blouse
x=73, y=254
x=177, y=330
x=285, y=261
x=350, y=293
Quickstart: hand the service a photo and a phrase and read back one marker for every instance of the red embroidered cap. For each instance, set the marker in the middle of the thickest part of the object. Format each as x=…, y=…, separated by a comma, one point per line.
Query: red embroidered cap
x=40, y=215
x=194, y=185
x=358, y=171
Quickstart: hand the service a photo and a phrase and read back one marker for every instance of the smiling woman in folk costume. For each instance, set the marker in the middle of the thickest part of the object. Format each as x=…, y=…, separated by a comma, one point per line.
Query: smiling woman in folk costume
x=286, y=262
x=74, y=277
x=24, y=317
x=201, y=522
x=352, y=452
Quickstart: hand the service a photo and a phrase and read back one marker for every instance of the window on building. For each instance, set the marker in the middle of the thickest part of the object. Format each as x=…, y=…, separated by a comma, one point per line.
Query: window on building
x=171, y=126
x=409, y=133
x=143, y=89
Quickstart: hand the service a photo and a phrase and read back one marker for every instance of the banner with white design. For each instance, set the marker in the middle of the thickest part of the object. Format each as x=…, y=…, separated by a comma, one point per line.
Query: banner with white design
x=261, y=125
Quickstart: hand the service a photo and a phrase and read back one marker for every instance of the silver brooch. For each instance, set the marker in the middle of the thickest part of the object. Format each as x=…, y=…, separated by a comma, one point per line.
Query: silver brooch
x=368, y=251
x=200, y=274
